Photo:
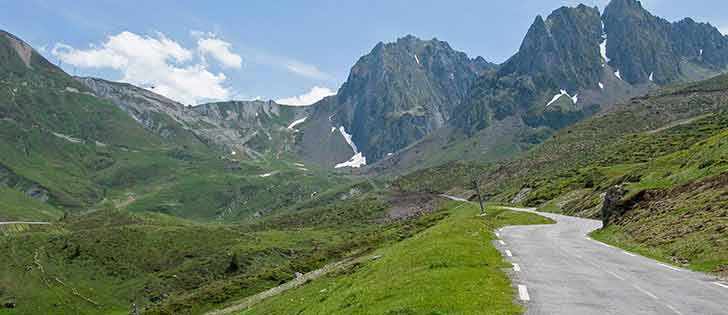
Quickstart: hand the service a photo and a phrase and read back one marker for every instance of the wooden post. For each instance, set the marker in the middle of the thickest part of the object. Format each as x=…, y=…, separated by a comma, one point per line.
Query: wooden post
x=476, y=186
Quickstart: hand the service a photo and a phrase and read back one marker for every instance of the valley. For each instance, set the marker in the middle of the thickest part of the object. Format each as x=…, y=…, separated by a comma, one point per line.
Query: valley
x=599, y=150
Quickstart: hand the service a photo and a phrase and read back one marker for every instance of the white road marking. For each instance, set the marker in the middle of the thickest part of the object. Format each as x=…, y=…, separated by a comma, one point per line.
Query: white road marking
x=669, y=267
x=630, y=254
x=516, y=268
x=501, y=242
x=605, y=245
x=720, y=284
x=615, y=275
x=508, y=253
x=673, y=309
x=646, y=292
x=523, y=293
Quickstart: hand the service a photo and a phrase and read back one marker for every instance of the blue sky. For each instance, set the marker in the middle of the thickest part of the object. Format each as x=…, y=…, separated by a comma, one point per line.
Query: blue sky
x=195, y=51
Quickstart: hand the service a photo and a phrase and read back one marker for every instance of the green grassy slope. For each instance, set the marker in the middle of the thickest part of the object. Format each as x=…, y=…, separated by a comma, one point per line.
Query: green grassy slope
x=17, y=206
x=172, y=266
x=119, y=197
x=450, y=268
x=77, y=152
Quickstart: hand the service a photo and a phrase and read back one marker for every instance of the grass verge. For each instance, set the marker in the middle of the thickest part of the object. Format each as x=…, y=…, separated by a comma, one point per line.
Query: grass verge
x=450, y=268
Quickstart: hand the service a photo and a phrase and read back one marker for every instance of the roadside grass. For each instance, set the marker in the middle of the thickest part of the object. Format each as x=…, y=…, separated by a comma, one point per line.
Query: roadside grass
x=705, y=256
x=450, y=268
x=688, y=228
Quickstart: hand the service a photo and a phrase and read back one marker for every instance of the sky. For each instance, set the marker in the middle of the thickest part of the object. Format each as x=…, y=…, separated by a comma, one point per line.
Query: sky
x=295, y=52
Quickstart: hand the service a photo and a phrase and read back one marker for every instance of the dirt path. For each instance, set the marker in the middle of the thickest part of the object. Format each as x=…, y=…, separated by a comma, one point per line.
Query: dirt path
x=23, y=222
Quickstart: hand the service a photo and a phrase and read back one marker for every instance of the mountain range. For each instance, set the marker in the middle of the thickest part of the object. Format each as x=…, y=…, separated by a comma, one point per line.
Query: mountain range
x=406, y=105
x=181, y=209
x=566, y=69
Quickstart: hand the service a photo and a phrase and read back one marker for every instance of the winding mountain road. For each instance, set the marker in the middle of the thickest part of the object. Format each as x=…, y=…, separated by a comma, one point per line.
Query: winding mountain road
x=559, y=270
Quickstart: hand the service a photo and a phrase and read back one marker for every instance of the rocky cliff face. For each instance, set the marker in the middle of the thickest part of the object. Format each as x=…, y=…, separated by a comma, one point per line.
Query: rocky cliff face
x=564, y=48
x=251, y=128
x=576, y=62
x=644, y=47
x=559, y=57
x=400, y=92
x=254, y=127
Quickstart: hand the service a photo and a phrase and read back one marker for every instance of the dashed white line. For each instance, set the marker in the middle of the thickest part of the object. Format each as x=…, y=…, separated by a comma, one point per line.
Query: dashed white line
x=516, y=268
x=673, y=309
x=523, y=293
x=669, y=267
x=615, y=275
x=501, y=242
x=646, y=292
x=629, y=254
x=508, y=253
x=721, y=285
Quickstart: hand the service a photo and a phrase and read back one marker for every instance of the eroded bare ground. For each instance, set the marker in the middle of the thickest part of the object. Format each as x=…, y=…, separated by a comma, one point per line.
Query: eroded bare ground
x=404, y=205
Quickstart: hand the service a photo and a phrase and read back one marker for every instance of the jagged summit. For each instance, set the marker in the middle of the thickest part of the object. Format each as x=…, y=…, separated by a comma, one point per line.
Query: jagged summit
x=400, y=92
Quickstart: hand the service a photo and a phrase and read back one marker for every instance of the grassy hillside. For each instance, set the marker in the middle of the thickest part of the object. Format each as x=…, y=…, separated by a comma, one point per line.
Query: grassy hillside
x=17, y=206
x=113, y=258
x=69, y=151
x=161, y=221
x=451, y=268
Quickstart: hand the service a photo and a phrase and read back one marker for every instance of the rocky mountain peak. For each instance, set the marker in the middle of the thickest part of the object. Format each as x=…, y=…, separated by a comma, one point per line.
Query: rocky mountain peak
x=646, y=48
x=634, y=6
x=564, y=47
x=400, y=92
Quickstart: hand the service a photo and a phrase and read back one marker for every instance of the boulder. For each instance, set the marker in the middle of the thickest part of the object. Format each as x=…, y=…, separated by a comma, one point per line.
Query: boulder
x=613, y=205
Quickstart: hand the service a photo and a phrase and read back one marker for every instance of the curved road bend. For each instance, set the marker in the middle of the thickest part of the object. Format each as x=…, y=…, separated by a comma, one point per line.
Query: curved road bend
x=559, y=270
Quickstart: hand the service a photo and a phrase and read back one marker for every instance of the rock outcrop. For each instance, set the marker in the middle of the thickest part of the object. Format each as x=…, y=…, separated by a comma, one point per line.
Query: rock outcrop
x=249, y=128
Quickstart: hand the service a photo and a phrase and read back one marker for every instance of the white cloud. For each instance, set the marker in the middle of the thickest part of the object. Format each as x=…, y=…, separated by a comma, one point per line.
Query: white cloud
x=306, y=70
x=314, y=95
x=158, y=62
x=220, y=50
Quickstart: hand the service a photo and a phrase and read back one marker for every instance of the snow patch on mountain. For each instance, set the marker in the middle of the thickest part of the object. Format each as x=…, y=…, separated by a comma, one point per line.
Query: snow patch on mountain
x=356, y=161
x=348, y=139
x=603, y=47
x=574, y=99
x=297, y=122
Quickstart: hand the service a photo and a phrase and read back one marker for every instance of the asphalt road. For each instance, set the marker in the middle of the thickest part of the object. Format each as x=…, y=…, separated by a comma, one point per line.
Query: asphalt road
x=559, y=270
